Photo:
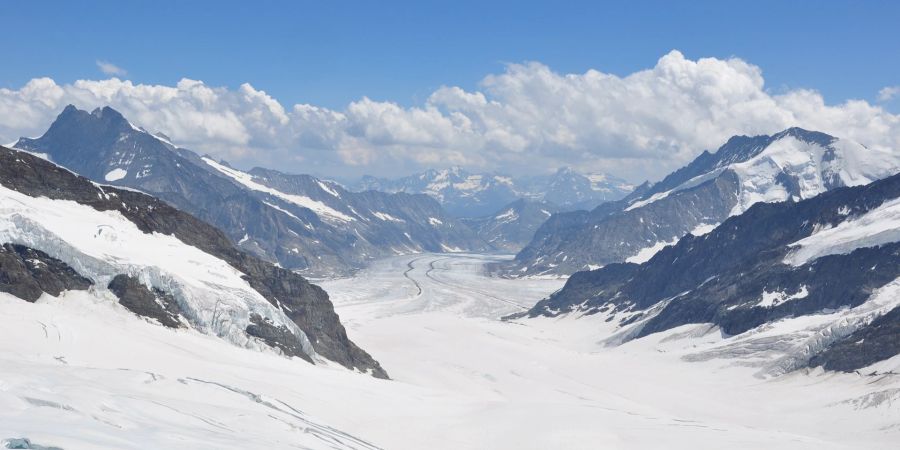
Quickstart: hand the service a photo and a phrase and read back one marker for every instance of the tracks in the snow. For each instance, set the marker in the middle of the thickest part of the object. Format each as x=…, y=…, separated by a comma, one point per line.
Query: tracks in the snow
x=295, y=418
x=409, y=269
x=430, y=276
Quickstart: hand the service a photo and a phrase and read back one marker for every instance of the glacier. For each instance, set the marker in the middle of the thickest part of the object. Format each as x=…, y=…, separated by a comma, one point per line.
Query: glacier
x=461, y=378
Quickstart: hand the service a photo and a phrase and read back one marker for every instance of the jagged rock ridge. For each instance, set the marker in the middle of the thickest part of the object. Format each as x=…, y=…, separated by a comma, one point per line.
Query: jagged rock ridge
x=301, y=222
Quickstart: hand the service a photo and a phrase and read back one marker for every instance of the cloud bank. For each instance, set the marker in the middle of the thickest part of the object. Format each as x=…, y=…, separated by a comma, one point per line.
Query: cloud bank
x=527, y=119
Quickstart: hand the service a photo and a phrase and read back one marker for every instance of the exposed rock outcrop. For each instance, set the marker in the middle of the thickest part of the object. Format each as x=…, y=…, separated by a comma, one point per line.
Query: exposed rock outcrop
x=28, y=273
x=152, y=303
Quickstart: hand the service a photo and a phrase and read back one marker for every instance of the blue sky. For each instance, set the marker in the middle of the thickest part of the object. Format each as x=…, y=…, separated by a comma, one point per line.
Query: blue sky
x=331, y=53
x=340, y=89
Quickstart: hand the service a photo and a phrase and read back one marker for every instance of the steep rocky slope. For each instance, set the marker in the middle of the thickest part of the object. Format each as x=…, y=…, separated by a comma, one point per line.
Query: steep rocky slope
x=513, y=226
x=834, y=258
x=298, y=221
x=62, y=232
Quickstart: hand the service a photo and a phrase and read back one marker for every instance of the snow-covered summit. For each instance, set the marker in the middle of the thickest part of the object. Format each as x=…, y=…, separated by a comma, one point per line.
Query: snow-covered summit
x=467, y=194
x=794, y=164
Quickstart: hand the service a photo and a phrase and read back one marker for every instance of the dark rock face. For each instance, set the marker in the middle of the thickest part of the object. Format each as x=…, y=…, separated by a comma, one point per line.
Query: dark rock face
x=151, y=303
x=573, y=241
x=28, y=273
x=828, y=283
x=401, y=221
x=513, y=226
x=702, y=193
x=306, y=304
x=105, y=147
x=589, y=290
x=276, y=336
x=722, y=276
x=878, y=341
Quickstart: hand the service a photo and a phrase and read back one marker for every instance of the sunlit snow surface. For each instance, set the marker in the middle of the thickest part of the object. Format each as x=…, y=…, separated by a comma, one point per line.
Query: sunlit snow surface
x=809, y=164
x=877, y=227
x=214, y=296
x=321, y=209
x=116, y=174
x=78, y=373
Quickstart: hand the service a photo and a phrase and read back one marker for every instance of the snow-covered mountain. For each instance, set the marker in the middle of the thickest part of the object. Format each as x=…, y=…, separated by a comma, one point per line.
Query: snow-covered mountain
x=794, y=164
x=466, y=194
x=814, y=282
x=514, y=225
x=299, y=221
x=83, y=370
x=61, y=232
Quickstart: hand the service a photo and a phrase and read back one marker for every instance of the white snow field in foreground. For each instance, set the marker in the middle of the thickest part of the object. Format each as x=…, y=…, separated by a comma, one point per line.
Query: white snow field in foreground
x=79, y=373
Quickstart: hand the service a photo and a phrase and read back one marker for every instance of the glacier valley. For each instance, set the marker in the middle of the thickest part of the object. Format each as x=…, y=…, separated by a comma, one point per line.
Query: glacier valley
x=461, y=377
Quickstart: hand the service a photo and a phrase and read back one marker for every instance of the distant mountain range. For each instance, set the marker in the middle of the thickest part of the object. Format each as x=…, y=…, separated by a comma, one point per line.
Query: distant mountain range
x=792, y=165
x=62, y=232
x=813, y=282
x=465, y=194
x=511, y=228
x=298, y=221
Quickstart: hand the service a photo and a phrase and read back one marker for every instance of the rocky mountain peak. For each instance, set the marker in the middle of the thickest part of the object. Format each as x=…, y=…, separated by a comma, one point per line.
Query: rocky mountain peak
x=297, y=220
x=811, y=137
x=790, y=165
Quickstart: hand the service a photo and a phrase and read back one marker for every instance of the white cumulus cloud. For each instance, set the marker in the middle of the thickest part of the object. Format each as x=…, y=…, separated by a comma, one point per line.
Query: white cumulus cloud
x=527, y=119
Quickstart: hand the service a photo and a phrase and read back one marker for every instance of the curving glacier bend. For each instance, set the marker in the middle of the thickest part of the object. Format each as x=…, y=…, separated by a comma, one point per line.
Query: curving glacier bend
x=462, y=378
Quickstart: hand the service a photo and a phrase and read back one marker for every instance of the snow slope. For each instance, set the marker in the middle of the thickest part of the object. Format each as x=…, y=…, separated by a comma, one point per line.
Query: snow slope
x=549, y=383
x=813, y=167
x=876, y=227
x=302, y=201
x=463, y=380
x=794, y=164
x=96, y=377
x=102, y=244
x=643, y=255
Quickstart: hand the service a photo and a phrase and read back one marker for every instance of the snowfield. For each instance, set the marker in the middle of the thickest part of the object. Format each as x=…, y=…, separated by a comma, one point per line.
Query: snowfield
x=324, y=211
x=877, y=227
x=116, y=174
x=810, y=164
x=79, y=372
x=99, y=245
